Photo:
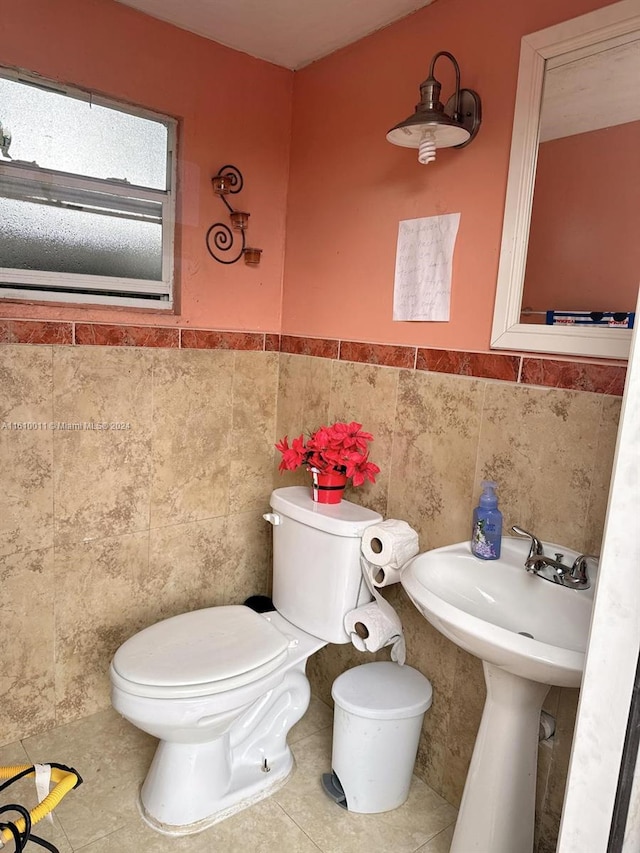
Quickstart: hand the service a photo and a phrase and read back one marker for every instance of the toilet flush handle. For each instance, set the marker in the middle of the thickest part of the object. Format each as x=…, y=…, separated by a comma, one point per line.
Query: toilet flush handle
x=273, y=518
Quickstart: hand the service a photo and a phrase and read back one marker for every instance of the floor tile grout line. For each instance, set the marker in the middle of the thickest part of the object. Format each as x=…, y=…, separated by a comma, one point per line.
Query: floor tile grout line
x=425, y=844
x=297, y=825
x=102, y=837
x=310, y=734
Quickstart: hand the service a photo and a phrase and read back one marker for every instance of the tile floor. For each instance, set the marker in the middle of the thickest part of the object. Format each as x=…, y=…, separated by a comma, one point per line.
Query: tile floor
x=101, y=815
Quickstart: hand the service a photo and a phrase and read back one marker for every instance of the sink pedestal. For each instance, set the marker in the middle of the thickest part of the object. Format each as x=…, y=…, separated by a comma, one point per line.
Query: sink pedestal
x=497, y=812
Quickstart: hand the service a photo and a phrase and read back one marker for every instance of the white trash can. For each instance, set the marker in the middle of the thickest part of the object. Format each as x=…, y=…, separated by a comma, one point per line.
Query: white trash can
x=379, y=708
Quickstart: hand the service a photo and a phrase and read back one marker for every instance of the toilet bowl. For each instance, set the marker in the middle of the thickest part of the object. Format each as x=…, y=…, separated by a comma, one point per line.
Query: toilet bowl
x=222, y=742
x=222, y=687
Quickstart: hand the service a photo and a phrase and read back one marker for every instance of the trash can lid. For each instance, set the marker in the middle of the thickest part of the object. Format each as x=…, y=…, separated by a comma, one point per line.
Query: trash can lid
x=383, y=691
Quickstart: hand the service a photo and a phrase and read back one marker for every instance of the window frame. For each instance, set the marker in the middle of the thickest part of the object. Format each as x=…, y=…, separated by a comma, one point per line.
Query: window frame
x=67, y=287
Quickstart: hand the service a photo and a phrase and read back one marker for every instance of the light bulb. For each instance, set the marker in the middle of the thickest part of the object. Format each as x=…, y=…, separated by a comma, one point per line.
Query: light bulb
x=427, y=147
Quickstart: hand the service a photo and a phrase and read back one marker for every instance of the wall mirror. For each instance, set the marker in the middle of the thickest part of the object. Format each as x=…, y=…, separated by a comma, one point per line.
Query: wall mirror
x=571, y=234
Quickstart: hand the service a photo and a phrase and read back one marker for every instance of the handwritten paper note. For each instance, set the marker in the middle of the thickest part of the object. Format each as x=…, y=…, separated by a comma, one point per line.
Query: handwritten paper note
x=424, y=255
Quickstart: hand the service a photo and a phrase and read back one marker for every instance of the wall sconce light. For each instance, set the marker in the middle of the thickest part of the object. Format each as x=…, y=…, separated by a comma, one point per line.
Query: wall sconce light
x=436, y=126
x=229, y=181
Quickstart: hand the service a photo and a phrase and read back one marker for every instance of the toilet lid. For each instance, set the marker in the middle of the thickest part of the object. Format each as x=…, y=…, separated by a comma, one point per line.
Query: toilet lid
x=191, y=653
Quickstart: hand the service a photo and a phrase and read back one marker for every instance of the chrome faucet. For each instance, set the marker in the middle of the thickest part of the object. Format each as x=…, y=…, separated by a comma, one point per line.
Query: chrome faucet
x=575, y=576
x=536, y=549
x=554, y=570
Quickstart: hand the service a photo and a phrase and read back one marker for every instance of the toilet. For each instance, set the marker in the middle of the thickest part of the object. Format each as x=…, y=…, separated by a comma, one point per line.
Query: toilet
x=221, y=687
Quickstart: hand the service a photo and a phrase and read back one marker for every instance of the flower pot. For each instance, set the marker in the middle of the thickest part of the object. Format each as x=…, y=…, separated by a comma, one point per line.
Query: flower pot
x=328, y=488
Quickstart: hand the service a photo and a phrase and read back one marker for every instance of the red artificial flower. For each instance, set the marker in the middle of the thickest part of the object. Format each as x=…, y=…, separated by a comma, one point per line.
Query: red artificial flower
x=350, y=436
x=292, y=456
x=320, y=440
x=366, y=471
x=340, y=447
x=360, y=469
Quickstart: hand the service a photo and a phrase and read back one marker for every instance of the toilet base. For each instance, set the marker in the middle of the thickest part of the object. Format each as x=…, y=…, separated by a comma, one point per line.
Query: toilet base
x=191, y=786
x=249, y=790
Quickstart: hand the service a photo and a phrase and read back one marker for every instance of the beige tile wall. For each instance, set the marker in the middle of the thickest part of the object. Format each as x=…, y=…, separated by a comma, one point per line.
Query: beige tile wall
x=105, y=531
x=436, y=437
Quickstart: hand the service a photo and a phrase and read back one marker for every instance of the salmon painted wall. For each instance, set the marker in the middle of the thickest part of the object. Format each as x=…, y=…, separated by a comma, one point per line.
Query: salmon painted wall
x=232, y=109
x=585, y=254
x=349, y=187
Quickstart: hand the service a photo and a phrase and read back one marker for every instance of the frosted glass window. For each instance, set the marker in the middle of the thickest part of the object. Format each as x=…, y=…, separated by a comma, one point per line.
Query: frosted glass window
x=87, y=200
x=59, y=132
x=39, y=237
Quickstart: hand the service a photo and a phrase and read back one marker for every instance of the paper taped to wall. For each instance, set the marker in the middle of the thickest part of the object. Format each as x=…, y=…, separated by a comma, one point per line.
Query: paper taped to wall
x=424, y=256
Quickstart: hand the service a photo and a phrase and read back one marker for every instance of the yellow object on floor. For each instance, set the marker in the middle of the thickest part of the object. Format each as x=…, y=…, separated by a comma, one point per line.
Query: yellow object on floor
x=65, y=779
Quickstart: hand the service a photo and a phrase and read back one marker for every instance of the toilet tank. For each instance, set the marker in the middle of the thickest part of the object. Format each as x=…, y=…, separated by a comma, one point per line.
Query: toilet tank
x=317, y=578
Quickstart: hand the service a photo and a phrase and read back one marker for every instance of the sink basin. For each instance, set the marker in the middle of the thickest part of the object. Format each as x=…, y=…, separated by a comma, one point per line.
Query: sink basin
x=530, y=633
x=501, y=613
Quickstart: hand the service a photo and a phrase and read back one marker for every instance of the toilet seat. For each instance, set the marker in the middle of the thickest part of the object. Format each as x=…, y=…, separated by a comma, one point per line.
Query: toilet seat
x=199, y=653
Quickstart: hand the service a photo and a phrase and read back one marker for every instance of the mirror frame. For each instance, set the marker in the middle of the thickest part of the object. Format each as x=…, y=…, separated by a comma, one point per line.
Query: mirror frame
x=537, y=49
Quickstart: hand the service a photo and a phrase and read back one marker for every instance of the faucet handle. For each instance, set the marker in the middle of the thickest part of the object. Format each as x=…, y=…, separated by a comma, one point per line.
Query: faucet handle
x=579, y=568
x=536, y=549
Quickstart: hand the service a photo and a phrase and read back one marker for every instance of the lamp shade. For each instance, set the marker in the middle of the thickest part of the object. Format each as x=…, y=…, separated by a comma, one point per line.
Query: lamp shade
x=410, y=132
x=430, y=118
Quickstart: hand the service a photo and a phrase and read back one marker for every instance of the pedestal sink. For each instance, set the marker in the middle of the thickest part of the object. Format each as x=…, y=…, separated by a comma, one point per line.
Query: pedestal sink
x=530, y=634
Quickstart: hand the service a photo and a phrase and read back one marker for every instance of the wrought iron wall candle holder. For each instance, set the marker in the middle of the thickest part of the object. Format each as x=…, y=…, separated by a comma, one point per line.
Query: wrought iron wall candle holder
x=220, y=238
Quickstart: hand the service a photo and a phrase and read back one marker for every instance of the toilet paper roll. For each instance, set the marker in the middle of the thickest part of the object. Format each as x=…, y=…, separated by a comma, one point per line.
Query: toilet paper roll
x=377, y=577
x=380, y=625
x=382, y=576
x=389, y=545
x=371, y=629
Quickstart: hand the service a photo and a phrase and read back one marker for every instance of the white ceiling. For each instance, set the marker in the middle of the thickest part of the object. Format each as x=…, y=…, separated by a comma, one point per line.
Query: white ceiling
x=291, y=33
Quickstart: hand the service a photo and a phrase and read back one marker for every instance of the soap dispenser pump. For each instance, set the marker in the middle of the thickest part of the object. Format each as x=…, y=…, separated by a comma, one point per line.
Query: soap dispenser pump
x=486, y=536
